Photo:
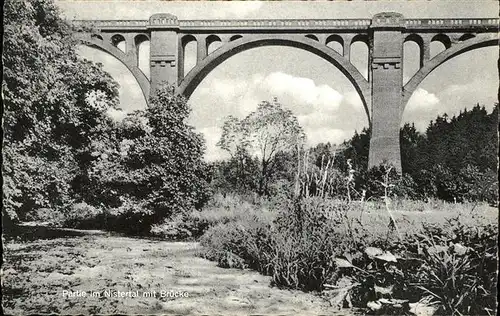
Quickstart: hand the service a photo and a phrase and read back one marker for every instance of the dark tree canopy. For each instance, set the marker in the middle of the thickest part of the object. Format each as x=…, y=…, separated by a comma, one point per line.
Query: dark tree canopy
x=54, y=103
x=455, y=159
x=152, y=159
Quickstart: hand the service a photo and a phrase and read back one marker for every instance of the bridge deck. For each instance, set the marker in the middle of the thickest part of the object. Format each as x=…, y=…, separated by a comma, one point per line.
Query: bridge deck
x=288, y=24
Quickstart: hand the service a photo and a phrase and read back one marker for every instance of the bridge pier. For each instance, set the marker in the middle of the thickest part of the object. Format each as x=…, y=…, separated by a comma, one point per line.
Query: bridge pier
x=387, y=92
x=164, y=48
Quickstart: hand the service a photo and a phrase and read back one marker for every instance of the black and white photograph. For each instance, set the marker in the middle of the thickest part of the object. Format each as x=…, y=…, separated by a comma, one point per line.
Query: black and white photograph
x=250, y=157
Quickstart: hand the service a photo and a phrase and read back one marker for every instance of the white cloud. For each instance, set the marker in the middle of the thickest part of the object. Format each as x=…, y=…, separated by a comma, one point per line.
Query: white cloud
x=422, y=107
x=325, y=134
x=458, y=96
x=225, y=89
x=352, y=98
x=304, y=92
x=316, y=119
x=301, y=95
x=422, y=101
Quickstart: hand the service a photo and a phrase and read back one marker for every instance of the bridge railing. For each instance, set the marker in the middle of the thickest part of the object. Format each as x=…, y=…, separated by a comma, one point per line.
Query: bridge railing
x=451, y=22
x=296, y=23
x=276, y=23
x=111, y=23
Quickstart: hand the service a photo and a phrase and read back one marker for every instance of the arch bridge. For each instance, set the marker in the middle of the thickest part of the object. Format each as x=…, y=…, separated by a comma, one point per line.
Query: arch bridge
x=383, y=94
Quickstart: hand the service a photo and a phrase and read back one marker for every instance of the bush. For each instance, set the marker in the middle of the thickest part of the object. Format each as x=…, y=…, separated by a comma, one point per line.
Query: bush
x=82, y=215
x=460, y=272
x=445, y=261
x=305, y=242
x=295, y=244
x=175, y=228
x=222, y=209
x=148, y=167
x=132, y=218
x=239, y=174
x=451, y=271
x=240, y=244
x=54, y=104
x=46, y=215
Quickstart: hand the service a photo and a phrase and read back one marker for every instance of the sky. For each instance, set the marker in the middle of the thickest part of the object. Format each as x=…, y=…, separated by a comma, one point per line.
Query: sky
x=324, y=101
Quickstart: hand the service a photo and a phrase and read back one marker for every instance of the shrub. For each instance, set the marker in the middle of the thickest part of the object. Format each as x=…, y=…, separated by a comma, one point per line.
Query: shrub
x=176, y=227
x=55, y=103
x=375, y=180
x=444, y=261
x=132, y=218
x=304, y=244
x=449, y=268
x=82, y=215
x=46, y=215
x=239, y=174
x=240, y=244
x=295, y=244
x=318, y=176
x=79, y=215
x=476, y=185
x=222, y=209
x=149, y=166
x=460, y=273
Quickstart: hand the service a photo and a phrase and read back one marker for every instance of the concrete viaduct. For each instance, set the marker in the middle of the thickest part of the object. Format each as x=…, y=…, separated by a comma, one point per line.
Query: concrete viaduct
x=383, y=94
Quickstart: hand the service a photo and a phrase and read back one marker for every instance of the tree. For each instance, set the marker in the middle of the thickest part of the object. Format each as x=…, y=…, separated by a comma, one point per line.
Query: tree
x=54, y=103
x=411, y=142
x=356, y=149
x=153, y=161
x=266, y=132
x=237, y=174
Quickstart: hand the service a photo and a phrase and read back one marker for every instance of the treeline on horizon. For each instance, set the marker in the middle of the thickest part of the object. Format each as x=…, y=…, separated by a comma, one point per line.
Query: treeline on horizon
x=455, y=159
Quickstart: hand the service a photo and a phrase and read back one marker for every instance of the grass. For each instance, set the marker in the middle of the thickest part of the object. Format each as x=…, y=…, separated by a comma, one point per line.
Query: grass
x=314, y=243
x=222, y=209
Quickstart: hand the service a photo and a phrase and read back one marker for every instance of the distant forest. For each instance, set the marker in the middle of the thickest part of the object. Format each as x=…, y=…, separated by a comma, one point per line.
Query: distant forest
x=454, y=160
x=454, y=155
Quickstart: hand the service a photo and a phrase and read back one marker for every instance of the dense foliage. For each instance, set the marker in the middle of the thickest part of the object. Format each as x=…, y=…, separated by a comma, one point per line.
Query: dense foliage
x=240, y=173
x=459, y=156
x=149, y=166
x=455, y=160
x=65, y=160
x=54, y=104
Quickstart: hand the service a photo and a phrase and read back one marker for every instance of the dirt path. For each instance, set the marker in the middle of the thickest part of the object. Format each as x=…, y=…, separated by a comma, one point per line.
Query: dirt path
x=36, y=273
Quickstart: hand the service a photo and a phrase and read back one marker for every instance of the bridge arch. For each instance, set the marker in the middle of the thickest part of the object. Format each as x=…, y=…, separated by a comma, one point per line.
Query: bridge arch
x=479, y=41
x=336, y=39
x=235, y=37
x=212, y=43
x=114, y=51
x=466, y=36
x=417, y=39
x=203, y=68
x=312, y=36
x=141, y=38
x=443, y=39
